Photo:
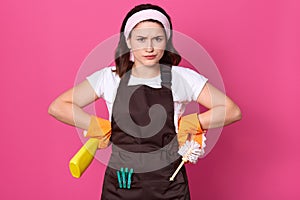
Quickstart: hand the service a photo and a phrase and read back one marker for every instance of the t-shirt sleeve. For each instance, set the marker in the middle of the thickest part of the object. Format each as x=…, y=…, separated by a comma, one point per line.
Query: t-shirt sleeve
x=96, y=80
x=197, y=82
x=190, y=83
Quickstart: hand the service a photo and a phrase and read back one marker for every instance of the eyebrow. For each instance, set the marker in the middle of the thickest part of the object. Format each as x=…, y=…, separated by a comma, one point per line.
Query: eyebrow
x=153, y=37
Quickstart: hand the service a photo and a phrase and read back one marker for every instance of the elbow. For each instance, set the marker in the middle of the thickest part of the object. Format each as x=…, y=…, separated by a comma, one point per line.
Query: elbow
x=233, y=114
x=237, y=113
x=54, y=108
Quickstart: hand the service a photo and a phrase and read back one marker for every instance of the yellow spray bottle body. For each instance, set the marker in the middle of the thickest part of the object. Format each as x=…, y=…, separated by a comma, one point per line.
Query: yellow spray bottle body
x=83, y=158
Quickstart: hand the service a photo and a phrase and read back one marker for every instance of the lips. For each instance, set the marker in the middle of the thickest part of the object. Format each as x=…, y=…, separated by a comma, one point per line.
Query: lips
x=150, y=57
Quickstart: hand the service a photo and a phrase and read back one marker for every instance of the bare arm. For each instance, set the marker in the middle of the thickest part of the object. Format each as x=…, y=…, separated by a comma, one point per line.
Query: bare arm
x=68, y=106
x=221, y=109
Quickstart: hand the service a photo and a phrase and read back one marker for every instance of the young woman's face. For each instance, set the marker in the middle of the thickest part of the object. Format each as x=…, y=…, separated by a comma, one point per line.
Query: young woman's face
x=147, y=42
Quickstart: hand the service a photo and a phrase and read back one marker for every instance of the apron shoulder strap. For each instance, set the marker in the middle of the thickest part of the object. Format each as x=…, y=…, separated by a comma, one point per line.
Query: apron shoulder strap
x=166, y=76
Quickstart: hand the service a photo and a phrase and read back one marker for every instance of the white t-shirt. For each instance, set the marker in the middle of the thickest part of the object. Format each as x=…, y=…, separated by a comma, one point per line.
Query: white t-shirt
x=186, y=87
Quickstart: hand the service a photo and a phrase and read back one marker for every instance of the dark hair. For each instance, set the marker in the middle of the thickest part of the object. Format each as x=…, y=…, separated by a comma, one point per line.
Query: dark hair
x=122, y=54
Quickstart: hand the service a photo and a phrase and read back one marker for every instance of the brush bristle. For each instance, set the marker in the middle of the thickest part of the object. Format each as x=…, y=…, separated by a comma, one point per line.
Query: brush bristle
x=191, y=150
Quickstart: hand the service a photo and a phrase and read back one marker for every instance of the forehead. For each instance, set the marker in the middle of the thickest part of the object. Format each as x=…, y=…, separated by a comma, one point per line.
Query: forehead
x=148, y=28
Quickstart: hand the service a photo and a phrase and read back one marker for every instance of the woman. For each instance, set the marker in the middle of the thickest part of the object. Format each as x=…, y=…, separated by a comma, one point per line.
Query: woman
x=146, y=79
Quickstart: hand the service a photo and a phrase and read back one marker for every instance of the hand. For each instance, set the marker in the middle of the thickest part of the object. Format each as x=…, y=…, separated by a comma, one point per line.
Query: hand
x=189, y=128
x=101, y=129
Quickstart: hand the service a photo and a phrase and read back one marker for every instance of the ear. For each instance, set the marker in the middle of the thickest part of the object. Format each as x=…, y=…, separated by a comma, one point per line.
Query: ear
x=128, y=43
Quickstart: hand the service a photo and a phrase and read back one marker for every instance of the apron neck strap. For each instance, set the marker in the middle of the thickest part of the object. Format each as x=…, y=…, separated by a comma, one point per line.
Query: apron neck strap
x=165, y=72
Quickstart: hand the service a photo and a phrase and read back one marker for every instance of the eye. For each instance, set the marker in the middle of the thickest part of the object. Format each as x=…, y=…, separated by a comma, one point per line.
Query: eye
x=158, y=39
x=141, y=39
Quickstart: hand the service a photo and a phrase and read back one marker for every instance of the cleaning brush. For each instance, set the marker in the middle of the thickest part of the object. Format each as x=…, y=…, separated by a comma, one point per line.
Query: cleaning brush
x=190, y=151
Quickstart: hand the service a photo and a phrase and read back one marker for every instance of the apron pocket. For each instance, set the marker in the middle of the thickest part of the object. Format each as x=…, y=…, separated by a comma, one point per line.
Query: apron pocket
x=147, y=186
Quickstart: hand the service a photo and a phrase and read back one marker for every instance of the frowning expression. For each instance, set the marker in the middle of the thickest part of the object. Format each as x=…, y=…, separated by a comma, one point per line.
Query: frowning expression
x=147, y=42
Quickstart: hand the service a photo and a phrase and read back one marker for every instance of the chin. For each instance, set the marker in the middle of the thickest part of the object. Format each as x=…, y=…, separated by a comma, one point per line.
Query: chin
x=150, y=64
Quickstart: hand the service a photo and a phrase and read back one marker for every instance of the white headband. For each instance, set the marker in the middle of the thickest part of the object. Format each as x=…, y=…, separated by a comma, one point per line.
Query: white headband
x=144, y=15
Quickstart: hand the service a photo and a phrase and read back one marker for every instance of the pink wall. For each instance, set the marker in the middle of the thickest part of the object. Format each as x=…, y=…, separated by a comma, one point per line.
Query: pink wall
x=255, y=45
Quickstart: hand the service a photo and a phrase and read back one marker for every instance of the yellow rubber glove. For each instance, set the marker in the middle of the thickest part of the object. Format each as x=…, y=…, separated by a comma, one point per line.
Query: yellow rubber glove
x=101, y=129
x=189, y=128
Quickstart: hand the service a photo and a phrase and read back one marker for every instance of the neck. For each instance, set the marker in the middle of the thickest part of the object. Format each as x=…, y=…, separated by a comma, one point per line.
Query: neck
x=146, y=71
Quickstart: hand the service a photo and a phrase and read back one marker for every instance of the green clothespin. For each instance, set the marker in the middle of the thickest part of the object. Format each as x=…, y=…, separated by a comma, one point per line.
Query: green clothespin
x=119, y=179
x=126, y=174
x=123, y=177
x=129, y=178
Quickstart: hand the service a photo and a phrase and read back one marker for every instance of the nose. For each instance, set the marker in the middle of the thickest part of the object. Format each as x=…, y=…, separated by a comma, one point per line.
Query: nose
x=149, y=47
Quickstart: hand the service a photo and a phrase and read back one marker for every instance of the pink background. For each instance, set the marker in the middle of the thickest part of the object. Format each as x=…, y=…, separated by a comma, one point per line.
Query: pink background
x=255, y=45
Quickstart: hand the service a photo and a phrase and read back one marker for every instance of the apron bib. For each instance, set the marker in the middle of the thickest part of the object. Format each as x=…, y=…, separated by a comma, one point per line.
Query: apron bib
x=144, y=138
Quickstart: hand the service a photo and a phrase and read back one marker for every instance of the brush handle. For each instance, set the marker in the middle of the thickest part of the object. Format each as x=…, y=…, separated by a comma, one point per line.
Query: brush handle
x=177, y=170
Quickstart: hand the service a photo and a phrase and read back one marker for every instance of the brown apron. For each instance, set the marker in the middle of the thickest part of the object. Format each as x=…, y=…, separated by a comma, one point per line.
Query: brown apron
x=144, y=138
